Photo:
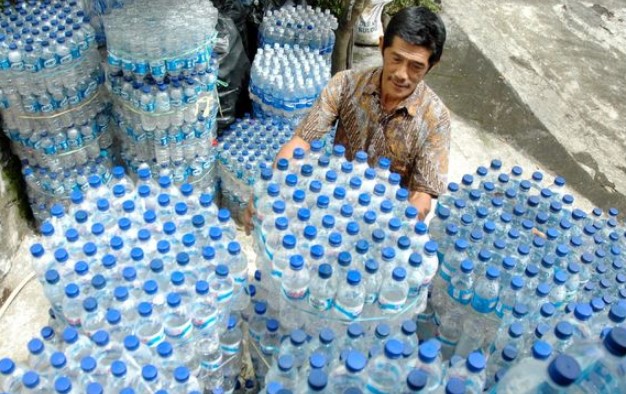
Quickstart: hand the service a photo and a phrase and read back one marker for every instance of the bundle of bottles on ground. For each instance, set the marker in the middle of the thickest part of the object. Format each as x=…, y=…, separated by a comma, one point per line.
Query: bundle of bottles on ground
x=286, y=81
x=299, y=25
x=339, y=238
x=50, y=97
x=248, y=146
x=149, y=260
x=245, y=149
x=506, y=240
x=162, y=78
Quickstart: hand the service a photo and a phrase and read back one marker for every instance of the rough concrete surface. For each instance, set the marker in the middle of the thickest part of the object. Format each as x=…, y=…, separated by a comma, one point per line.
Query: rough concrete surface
x=562, y=64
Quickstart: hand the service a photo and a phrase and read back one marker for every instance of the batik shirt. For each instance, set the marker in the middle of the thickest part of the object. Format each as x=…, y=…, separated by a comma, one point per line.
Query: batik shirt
x=415, y=136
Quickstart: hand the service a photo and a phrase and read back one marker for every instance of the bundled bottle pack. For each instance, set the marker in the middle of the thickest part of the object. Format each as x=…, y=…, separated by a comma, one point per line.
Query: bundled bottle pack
x=557, y=327
x=54, y=109
x=302, y=26
x=149, y=264
x=285, y=81
x=162, y=78
x=338, y=241
x=245, y=149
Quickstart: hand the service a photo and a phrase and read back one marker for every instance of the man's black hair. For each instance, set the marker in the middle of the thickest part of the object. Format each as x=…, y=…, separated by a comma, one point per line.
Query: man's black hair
x=418, y=26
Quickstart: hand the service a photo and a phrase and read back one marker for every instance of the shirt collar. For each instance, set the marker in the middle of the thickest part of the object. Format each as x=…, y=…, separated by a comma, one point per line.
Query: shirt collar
x=410, y=104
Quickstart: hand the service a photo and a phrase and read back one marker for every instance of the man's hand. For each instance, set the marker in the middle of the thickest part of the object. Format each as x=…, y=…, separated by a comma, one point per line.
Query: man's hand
x=422, y=202
x=248, y=225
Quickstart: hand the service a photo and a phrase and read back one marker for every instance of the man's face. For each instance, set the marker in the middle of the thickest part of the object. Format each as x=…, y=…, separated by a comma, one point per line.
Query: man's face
x=404, y=66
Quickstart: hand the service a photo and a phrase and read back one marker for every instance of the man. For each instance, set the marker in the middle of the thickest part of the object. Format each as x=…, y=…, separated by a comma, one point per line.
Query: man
x=389, y=111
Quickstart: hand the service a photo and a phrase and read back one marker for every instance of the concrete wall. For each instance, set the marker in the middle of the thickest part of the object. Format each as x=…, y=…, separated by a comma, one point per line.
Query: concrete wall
x=15, y=217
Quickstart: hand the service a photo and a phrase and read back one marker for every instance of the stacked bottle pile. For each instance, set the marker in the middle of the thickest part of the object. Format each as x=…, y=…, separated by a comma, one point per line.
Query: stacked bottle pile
x=53, y=108
x=162, y=78
x=286, y=81
x=151, y=260
x=302, y=26
x=69, y=362
x=390, y=360
x=340, y=241
x=506, y=239
x=246, y=148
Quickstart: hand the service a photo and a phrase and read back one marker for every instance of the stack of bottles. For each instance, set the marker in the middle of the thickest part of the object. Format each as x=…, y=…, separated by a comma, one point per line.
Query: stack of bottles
x=390, y=360
x=387, y=358
x=54, y=111
x=151, y=260
x=286, y=81
x=245, y=149
x=299, y=25
x=69, y=362
x=582, y=347
x=506, y=239
x=162, y=78
x=97, y=10
x=339, y=241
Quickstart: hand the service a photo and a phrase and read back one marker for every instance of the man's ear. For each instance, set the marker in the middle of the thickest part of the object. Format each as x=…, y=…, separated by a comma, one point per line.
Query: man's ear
x=380, y=43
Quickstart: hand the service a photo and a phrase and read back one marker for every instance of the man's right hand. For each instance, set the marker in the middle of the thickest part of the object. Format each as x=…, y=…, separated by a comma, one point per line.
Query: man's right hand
x=248, y=215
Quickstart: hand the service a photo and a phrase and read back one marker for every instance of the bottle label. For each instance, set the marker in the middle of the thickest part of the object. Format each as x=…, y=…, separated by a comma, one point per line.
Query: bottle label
x=173, y=65
x=231, y=350
x=414, y=291
x=502, y=309
x=181, y=332
x=462, y=296
x=62, y=103
x=204, y=322
x=349, y=313
x=83, y=45
x=484, y=305
x=113, y=60
x=148, y=107
x=390, y=306
x=446, y=341
x=47, y=108
x=73, y=100
x=49, y=63
x=157, y=69
x=65, y=59
x=176, y=103
x=141, y=68
x=74, y=322
x=370, y=298
x=296, y=294
x=154, y=340
x=224, y=296
x=31, y=108
x=127, y=65
x=31, y=67
x=320, y=304
x=75, y=52
x=17, y=66
x=190, y=63
x=211, y=366
x=4, y=64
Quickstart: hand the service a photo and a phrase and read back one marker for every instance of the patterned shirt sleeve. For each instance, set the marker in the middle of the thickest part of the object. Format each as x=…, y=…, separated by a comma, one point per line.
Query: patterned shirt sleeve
x=430, y=167
x=322, y=116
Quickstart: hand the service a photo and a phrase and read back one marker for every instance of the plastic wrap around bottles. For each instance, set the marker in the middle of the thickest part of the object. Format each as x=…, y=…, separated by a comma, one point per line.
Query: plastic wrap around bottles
x=55, y=112
x=286, y=81
x=339, y=241
x=164, y=88
x=152, y=264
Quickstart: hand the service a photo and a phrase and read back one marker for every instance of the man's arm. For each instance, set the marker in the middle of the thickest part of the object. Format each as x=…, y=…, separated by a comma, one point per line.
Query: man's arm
x=430, y=167
x=319, y=119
